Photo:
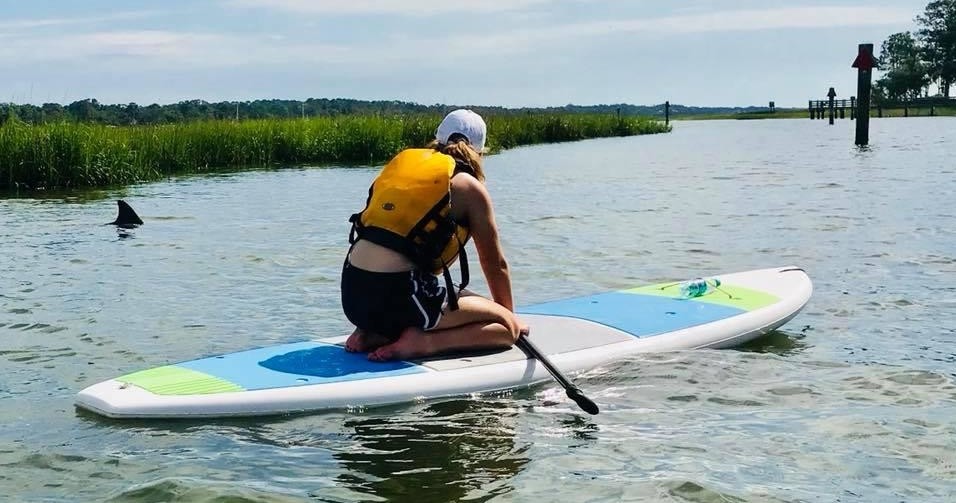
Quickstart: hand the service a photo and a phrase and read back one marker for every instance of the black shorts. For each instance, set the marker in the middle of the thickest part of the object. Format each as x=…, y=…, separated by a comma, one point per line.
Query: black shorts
x=387, y=303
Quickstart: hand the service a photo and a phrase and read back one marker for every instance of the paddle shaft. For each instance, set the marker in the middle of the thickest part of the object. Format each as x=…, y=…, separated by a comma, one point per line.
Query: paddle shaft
x=573, y=392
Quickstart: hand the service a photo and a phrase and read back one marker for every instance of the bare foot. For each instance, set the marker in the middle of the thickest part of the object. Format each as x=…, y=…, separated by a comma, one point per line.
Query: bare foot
x=352, y=343
x=412, y=343
x=361, y=341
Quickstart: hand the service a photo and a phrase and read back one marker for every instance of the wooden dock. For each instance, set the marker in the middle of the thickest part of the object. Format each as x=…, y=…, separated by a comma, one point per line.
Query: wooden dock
x=820, y=109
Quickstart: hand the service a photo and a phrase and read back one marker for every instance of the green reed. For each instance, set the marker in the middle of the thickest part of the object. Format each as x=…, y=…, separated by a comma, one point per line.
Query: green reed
x=64, y=155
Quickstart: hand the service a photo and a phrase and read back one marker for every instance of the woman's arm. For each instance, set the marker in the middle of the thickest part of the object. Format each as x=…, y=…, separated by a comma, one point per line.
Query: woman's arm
x=471, y=196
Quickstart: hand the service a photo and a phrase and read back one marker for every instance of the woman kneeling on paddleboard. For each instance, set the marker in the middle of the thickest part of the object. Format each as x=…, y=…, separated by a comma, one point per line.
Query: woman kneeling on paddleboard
x=421, y=210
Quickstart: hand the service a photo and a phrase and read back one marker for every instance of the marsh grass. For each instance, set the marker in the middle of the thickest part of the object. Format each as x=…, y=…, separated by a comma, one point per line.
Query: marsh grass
x=923, y=111
x=790, y=113
x=67, y=155
x=797, y=113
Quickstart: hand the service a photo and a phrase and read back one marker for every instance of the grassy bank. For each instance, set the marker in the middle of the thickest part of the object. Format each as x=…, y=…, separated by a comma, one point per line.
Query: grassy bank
x=788, y=113
x=917, y=112
x=797, y=113
x=66, y=155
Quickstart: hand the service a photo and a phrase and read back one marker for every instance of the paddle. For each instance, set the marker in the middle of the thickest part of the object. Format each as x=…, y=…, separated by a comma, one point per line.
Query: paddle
x=574, y=393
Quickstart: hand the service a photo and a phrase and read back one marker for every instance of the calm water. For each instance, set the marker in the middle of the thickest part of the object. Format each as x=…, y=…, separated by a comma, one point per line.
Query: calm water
x=854, y=400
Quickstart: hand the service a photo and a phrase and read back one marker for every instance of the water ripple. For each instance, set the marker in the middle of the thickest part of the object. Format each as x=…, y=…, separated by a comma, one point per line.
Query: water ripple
x=853, y=400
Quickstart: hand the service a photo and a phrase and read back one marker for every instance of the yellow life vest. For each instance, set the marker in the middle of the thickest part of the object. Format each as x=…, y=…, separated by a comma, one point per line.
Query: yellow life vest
x=409, y=210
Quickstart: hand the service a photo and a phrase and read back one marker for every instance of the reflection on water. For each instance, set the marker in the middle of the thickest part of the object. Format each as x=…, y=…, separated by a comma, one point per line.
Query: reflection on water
x=450, y=451
x=780, y=342
x=852, y=400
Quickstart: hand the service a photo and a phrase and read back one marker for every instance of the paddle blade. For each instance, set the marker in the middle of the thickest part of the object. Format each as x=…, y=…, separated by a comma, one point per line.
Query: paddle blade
x=584, y=402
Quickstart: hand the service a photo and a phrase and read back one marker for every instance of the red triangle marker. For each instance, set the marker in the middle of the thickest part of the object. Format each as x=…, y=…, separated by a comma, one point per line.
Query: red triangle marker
x=864, y=61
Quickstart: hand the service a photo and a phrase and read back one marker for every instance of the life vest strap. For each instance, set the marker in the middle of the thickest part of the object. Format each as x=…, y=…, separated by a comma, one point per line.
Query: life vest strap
x=452, y=292
x=356, y=220
x=463, y=265
x=389, y=240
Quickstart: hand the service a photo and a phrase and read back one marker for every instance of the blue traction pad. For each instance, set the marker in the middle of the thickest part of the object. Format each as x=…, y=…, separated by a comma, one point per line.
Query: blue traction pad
x=305, y=363
x=637, y=314
x=297, y=364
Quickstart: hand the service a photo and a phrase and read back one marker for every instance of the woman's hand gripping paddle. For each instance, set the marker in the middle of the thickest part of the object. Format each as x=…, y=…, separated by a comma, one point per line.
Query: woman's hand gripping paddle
x=574, y=393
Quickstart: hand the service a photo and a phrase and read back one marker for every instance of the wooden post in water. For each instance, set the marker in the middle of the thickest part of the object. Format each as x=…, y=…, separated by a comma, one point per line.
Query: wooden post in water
x=831, y=95
x=667, y=113
x=864, y=64
x=810, y=108
x=852, y=107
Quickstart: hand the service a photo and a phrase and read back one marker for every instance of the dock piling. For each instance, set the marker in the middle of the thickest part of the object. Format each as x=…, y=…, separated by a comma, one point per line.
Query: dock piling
x=832, y=96
x=864, y=64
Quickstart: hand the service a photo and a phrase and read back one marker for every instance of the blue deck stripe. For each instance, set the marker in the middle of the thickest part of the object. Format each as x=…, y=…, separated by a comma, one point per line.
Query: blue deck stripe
x=310, y=362
x=637, y=314
x=297, y=364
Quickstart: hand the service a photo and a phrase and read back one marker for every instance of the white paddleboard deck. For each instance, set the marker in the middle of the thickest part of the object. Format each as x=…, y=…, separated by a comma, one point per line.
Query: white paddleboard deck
x=577, y=334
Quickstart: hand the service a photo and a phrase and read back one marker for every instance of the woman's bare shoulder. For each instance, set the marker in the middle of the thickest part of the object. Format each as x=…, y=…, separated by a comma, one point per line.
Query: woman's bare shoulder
x=469, y=194
x=468, y=185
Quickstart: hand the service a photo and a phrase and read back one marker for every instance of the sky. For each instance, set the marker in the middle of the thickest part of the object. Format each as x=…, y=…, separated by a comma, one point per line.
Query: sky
x=510, y=53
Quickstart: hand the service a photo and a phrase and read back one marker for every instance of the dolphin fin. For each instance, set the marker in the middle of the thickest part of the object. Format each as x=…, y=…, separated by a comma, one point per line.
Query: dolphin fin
x=126, y=217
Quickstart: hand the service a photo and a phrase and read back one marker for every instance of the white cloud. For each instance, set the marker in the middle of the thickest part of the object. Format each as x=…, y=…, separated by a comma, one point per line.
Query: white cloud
x=691, y=19
x=29, y=24
x=146, y=43
x=769, y=19
x=176, y=50
x=741, y=20
x=533, y=39
x=407, y=7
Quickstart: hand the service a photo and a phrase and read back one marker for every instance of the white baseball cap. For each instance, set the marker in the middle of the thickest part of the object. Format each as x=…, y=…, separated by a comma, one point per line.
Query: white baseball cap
x=466, y=123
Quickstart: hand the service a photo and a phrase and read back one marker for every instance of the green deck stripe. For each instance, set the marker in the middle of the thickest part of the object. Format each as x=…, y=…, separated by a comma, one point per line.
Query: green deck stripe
x=739, y=297
x=175, y=380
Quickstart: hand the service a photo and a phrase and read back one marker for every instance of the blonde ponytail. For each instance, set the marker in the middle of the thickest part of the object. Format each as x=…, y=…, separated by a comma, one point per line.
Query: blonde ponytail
x=462, y=152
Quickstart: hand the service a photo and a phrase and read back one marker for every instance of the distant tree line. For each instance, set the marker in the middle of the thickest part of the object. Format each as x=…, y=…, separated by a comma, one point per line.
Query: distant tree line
x=93, y=112
x=90, y=111
x=912, y=62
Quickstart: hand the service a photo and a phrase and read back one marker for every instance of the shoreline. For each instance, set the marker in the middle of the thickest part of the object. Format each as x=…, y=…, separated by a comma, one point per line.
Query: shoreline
x=75, y=155
x=803, y=113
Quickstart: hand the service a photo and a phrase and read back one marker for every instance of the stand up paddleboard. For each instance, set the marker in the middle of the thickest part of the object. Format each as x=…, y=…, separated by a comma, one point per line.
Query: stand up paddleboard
x=576, y=334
